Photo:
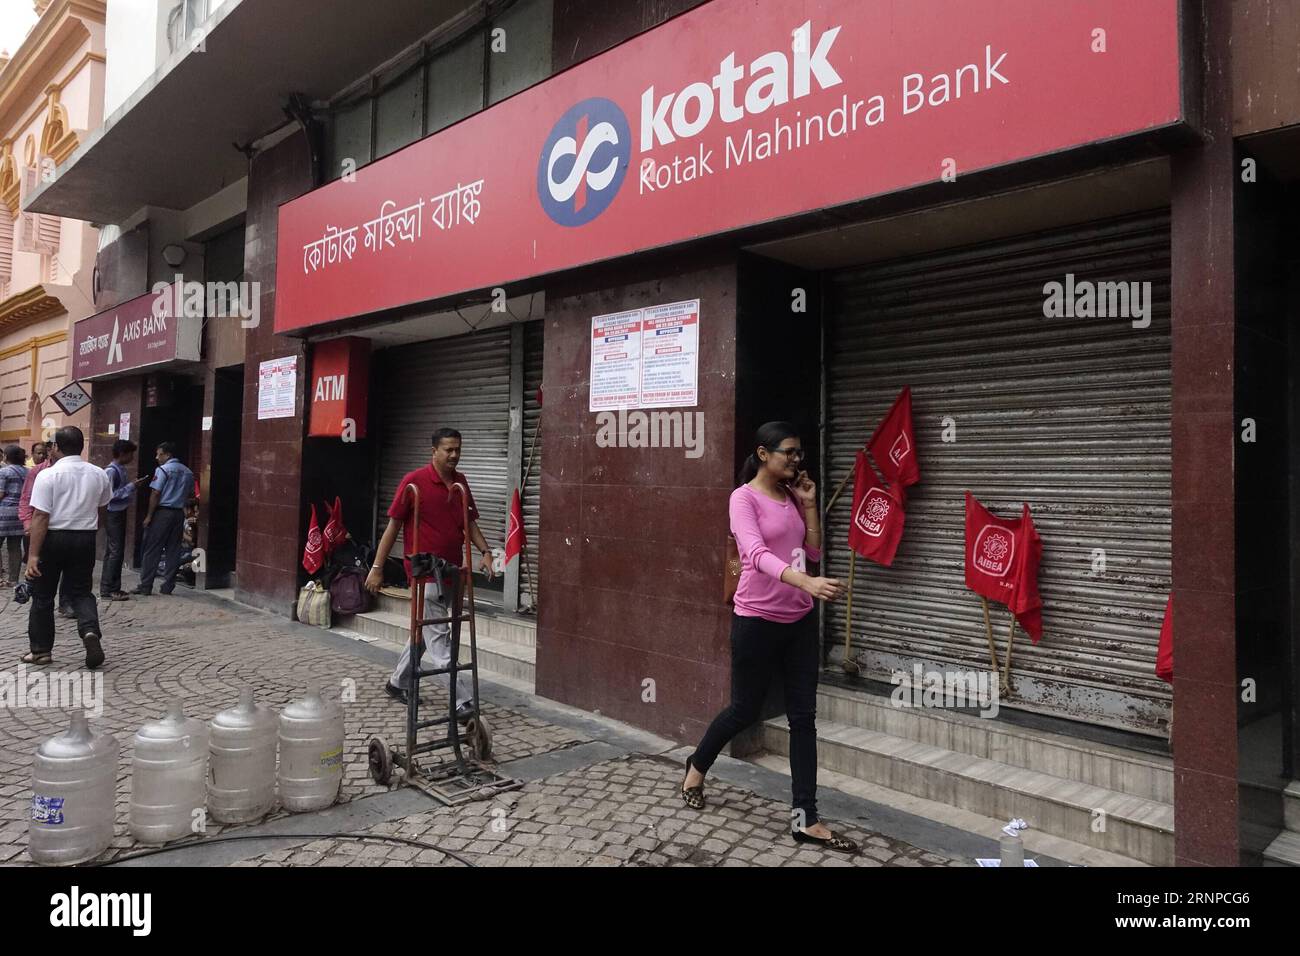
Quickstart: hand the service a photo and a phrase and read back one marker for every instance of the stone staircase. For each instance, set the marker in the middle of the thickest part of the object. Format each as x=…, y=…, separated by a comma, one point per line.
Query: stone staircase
x=1285, y=850
x=1114, y=799
x=507, y=643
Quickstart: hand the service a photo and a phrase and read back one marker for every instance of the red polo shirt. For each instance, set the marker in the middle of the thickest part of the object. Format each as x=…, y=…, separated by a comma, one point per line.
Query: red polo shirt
x=442, y=518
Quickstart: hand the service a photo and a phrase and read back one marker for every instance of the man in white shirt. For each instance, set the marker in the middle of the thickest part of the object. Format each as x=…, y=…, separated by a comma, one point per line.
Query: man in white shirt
x=66, y=502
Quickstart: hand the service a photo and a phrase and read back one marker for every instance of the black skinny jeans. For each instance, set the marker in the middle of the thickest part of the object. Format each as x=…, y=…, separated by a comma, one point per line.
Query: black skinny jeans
x=760, y=649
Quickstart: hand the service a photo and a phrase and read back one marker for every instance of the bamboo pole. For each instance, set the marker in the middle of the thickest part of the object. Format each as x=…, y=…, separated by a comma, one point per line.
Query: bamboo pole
x=1006, y=673
x=835, y=497
x=850, y=666
x=988, y=631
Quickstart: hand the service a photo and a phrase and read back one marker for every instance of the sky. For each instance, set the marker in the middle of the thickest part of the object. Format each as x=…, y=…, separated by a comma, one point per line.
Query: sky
x=16, y=18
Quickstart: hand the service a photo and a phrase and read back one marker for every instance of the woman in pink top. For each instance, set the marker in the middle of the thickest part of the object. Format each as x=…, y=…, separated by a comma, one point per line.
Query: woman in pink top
x=777, y=528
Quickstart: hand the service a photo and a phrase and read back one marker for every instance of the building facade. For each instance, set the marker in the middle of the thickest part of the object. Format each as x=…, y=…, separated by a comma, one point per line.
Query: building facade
x=51, y=96
x=532, y=220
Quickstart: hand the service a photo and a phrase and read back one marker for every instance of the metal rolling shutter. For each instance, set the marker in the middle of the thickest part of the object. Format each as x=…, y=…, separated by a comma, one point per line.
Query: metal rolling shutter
x=532, y=492
x=461, y=383
x=1071, y=415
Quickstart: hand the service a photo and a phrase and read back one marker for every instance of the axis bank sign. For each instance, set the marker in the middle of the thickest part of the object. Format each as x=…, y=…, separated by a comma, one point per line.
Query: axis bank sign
x=737, y=113
x=141, y=333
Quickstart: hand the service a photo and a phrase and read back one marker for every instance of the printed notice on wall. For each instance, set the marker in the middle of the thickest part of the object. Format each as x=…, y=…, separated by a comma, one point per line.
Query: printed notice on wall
x=646, y=358
x=276, y=387
x=616, y=361
x=124, y=426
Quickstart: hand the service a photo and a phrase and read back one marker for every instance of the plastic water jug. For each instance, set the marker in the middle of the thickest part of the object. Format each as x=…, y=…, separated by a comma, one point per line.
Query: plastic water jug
x=169, y=777
x=311, y=753
x=241, y=762
x=74, y=779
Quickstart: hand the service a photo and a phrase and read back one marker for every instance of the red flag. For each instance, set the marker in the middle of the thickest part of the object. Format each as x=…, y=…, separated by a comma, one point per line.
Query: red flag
x=1026, y=604
x=893, y=444
x=335, y=532
x=515, y=528
x=1002, y=558
x=313, y=555
x=878, y=515
x=1165, y=652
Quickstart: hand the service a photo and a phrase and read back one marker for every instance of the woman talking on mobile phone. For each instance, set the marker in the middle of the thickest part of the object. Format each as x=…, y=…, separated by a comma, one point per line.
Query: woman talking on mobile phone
x=777, y=528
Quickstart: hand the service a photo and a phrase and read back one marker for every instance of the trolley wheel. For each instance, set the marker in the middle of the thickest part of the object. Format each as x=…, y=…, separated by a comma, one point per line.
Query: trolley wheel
x=479, y=737
x=381, y=762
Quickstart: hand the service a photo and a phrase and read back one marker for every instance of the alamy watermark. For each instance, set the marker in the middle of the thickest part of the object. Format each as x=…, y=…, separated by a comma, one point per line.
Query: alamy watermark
x=1098, y=300
x=638, y=429
x=61, y=690
x=946, y=689
x=207, y=300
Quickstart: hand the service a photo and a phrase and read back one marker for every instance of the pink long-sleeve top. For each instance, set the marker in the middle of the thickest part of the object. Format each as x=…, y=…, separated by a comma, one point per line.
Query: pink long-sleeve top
x=769, y=536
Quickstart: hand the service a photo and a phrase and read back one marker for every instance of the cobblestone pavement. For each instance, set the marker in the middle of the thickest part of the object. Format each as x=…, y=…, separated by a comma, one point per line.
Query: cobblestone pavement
x=612, y=812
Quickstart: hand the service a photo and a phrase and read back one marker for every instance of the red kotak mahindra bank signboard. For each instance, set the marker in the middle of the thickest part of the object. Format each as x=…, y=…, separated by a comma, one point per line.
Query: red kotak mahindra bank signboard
x=737, y=113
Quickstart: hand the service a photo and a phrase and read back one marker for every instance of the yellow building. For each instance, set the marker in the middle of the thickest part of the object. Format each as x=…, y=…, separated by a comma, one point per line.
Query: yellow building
x=51, y=93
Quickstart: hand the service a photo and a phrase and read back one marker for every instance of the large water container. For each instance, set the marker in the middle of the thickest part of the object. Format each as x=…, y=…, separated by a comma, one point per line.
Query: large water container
x=311, y=753
x=169, y=778
x=241, y=765
x=74, y=778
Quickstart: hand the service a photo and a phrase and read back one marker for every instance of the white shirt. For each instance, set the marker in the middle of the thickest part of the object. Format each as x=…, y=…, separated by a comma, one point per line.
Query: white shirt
x=71, y=491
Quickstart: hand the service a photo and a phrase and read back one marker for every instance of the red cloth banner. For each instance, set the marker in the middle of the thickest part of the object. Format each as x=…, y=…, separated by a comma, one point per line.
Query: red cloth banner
x=335, y=532
x=1165, y=652
x=1002, y=558
x=878, y=515
x=515, y=528
x=893, y=444
x=313, y=555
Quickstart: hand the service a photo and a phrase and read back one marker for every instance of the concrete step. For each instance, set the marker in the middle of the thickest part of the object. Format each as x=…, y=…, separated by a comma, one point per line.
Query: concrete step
x=490, y=622
x=1037, y=843
x=1149, y=776
x=1285, y=850
x=496, y=657
x=1291, y=805
x=1134, y=827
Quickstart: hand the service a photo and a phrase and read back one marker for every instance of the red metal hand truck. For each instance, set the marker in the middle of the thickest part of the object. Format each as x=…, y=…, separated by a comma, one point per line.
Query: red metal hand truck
x=463, y=778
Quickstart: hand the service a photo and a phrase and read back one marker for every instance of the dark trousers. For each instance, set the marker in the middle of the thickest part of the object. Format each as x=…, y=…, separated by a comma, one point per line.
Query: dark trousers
x=63, y=588
x=163, y=535
x=67, y=564
x=760, y=650
x=110, y=578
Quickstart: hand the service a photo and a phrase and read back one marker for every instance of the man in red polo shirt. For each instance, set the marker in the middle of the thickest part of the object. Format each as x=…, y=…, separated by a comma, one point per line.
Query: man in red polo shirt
x=442, y=532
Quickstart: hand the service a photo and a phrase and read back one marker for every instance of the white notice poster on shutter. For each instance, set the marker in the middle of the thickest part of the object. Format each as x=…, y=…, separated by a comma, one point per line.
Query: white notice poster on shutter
x=276, y=387
x=615, y=361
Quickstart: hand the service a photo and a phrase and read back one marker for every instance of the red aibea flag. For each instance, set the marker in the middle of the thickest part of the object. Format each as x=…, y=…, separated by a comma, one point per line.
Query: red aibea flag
x=878, y=516
x=335, y=532
x=313, y=555
x=515, y=528
x=1002, y=560
x=1165, y=652
x=893, y=444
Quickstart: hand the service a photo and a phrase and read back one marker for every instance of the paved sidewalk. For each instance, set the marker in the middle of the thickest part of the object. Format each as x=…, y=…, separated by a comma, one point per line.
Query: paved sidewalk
x=596, y=792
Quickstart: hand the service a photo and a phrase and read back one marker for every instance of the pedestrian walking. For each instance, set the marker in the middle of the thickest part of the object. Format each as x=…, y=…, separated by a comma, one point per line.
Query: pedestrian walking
x=12, y=477
x=172, y=486
x=442, y=532
x=41, y=459
x=777, y=527
x=66, y=498
x=124, y=489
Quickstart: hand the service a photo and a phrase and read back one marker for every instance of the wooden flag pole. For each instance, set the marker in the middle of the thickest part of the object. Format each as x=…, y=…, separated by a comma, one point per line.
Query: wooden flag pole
x=1006, y=673
x=835, y=497
x=988, y=631
x=850, y=666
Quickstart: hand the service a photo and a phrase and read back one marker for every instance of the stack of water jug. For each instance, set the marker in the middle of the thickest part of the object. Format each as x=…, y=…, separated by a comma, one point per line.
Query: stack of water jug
x=184, y=770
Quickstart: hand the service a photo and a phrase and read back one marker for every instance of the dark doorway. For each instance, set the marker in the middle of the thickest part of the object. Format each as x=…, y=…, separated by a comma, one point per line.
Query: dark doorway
x=222, y=505
x=172, y=411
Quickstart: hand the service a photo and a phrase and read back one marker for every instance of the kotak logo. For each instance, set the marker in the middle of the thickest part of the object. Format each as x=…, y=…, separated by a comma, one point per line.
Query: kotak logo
x=584, y=162
x=772, y=82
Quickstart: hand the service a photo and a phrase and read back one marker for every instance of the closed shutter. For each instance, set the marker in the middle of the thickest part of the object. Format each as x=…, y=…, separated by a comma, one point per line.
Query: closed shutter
x=1068, y=414
x=532, y=493
x=461, y=383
